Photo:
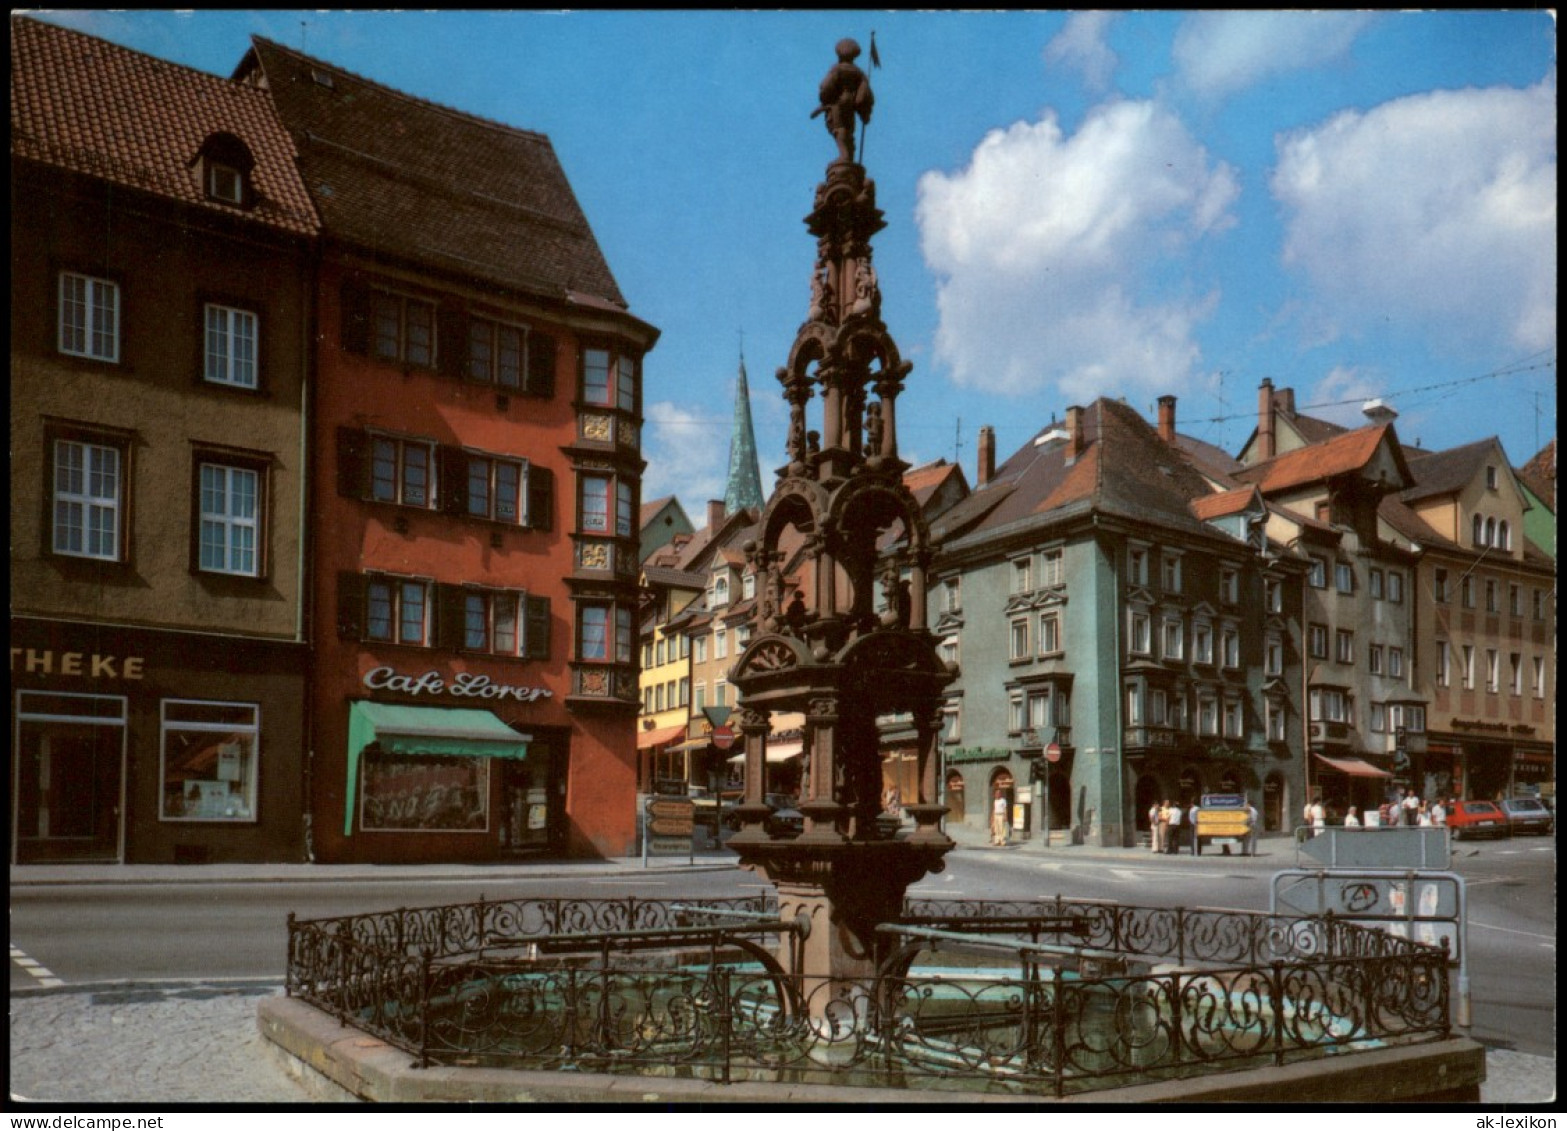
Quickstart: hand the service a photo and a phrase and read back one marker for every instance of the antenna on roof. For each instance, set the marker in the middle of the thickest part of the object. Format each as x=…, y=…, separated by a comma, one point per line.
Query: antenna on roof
x=957, y=440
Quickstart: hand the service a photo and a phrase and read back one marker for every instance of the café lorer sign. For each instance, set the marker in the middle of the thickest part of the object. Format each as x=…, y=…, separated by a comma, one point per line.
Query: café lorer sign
x=463, y=685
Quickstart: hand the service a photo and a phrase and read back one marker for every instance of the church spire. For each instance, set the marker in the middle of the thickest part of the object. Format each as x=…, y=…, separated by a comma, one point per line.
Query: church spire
x=744, y=487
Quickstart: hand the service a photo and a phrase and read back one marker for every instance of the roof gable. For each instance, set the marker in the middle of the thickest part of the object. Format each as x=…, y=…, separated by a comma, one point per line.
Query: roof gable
x=91, y=107
x=1370, y=453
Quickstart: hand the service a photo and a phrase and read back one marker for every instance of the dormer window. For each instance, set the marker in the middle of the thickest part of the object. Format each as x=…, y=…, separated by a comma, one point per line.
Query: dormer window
x=225, y=164
x=225, y=183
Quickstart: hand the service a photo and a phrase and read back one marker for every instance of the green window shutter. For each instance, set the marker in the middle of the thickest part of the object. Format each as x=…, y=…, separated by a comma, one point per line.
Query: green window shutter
x=350, y=605
x=541, y=497
x=541, y=364
x=537, y=615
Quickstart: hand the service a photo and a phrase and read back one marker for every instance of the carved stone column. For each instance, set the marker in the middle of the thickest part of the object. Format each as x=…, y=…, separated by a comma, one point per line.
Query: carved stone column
x=823, y=813
x=754, y=729
x=929, y=721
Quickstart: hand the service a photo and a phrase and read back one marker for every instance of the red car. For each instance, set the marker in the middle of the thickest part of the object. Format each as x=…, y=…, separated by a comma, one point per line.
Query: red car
x=1476, y=818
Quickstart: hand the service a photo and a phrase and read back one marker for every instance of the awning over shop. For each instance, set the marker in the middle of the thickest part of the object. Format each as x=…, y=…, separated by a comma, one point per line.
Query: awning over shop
x=650, y=738
x=778, y=751
x=439, y=731
x=1354, y=767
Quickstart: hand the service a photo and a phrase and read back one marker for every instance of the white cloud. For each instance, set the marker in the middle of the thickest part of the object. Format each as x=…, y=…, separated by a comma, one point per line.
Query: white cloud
x=687, y=455
x=1433, y=214
x=1080, y=45
x=1219, y=52
x=1046, y=248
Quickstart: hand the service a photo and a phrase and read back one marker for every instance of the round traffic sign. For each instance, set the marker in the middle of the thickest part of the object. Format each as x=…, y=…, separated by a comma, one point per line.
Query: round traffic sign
x=1053, y=752
x=722, y=737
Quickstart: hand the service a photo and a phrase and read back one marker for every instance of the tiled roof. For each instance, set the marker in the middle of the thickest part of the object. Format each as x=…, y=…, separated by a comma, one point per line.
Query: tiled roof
x=1447, y=471
x=1223, y=503
x=674, y=578
x=1124, y=469
x=1404, y=519
x=414, y=179
x=91, y=107
x=1539, y=474
x=649, y=511
x=926, y=480
x=1210, y=459
x=1344, y=454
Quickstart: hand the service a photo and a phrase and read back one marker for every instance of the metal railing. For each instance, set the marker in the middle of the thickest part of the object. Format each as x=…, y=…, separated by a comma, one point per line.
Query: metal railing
x=1084, y=995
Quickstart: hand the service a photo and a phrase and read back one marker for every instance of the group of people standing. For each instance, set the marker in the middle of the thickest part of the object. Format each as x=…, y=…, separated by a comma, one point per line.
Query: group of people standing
x=1168, y=825
x=1408, y=810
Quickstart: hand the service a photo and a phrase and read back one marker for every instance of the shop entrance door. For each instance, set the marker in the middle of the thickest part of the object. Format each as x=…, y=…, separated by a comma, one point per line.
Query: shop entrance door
x=69, y=774
x=528, y=807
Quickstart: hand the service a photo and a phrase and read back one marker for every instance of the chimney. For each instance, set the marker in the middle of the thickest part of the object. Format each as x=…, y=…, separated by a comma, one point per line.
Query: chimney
x=1265, y=419
x=715, y=514
x=1285, y=399
x=1074, y=433
x=1167, y=419
x=987, y=456
x=1378, y=411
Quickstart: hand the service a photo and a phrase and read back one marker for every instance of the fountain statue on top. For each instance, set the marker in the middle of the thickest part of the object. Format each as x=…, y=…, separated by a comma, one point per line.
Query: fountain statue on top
x=822, y=646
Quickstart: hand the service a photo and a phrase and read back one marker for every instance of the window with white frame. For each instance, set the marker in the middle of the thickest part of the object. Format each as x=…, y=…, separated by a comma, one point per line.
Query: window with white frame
x=1469, y=667
x=1395, y=662
x=952, y=715
x=1493, y=669
x=397, y=610
x=1233, y=716
x=1514, y=600
x=1539, y=604
x=1444, y=663
x=1020, y=639
x=1317, y=641
x=1230, y=642
x=1344, y=650
x=1439, y=586
x=596, y=516
x=89, y=499
x=748, y=587
x=402, y=471
x=1515, y=684
x=1229, y=586
x=699, y=697
x=1174, y=639
x=1158, y=707
x=1273, y=595
x=1207, y=716
x=1375, y=584
x=89, y=317
x=1134, y=704
x=1329, y=704
x=742, y=637
x=699, y=647
x=1049, y=633
x=1141, y=641
x=495, y=488
x=949, y=649
x=1023, y=575
x=1273, y=655
x=1042, y=713
x=1344, y=577
x=685, y=691
x=1318, y=574
x=658, y=697
x=951, y=595
x=1374, y=659
x=1539, y=677
x=1137, y=566
x=609, y=379
x=502, y=623
x=647, y=700
x=1493, y=599
x=1017, y=713
x=497, y=353
x=231, y=346
x=720, y=591
x=1171, y=576
x=1395, y=586
x=1202, y=643
x=1467, y=592
x=1054, y=569
x=210, y=755
x=720, y=643
x=230, y=516
x=720, y=693
x=1276, y=720
x=1410, y=716
x=604, y=632
x=1378, y=723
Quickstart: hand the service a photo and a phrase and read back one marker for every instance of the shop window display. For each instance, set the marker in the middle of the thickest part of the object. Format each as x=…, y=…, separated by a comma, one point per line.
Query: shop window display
x=209, y=760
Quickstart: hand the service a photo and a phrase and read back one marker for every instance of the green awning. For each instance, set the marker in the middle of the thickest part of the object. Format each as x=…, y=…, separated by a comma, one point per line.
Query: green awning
x=436, y=731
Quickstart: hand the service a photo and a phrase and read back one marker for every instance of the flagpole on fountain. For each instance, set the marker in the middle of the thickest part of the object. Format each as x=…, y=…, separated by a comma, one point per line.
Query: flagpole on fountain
x=875, y=66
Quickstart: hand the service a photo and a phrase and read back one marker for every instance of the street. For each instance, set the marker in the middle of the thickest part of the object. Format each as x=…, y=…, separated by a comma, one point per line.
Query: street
x=65, y=936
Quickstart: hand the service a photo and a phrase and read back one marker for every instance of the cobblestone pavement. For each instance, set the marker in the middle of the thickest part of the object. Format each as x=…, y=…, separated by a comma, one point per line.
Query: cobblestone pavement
x=200, y=1045
x=154, y=1046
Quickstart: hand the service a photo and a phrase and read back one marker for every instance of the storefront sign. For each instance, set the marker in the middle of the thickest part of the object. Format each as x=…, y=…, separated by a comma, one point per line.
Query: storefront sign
x=1492, y=728
x=87, y=665
x=463, y=685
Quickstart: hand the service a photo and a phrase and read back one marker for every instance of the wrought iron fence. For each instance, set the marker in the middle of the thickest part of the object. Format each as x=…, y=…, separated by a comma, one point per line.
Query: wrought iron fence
x=1191, y=992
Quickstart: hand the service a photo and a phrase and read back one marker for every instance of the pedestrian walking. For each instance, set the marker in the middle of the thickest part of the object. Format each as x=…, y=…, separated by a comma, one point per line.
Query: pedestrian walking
x=1191, y=823
x=1174, y=844
x=1153, y=827
x=1251, y=829
x=998, y=820
x=1410, y=807
x=1319, y=817
x=1438, y=814
x=1163, y=826
x=1351, y=820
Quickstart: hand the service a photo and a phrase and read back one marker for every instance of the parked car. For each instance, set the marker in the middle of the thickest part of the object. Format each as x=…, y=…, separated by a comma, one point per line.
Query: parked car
x=1476, y=818
x=784, y=820
x=1527, y=815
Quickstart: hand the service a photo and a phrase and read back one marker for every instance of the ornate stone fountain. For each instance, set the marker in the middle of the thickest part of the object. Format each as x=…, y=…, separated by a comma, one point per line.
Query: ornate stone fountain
x=825, y=649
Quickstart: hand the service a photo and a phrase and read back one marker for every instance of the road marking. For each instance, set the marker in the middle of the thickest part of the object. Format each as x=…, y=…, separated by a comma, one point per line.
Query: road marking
x=1510, y=931
x=44, y=976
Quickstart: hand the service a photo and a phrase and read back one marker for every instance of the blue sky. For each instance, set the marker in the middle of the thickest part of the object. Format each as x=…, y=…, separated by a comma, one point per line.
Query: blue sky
x=1078, y=204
